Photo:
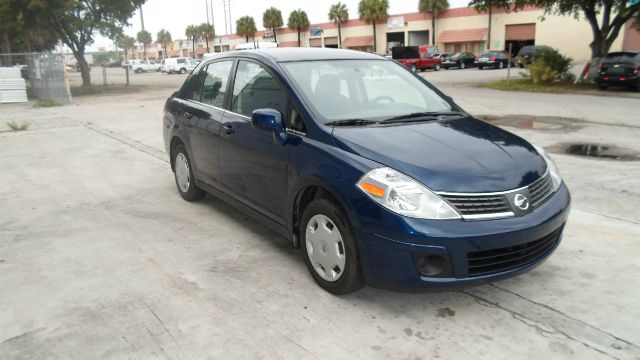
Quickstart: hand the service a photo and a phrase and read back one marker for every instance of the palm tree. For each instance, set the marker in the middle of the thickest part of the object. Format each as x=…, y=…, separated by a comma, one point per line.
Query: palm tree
x=164, y=37
x=206, y=31
x=272, y=19
x=192, y=32
x=372, y=11
x=245, y=26
x=125, y=42
x=338, y=13
x=298, y=21
x=433, y=7
x=144, y=37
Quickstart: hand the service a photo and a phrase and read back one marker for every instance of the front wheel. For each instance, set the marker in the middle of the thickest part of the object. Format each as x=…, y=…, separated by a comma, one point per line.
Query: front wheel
x=329, y=248
x=185, y=181
x=183, y=71
x=500, y=65
x=462, y=65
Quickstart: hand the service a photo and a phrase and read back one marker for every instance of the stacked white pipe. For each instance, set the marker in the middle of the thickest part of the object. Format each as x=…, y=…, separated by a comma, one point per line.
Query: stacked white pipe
x=13, y=88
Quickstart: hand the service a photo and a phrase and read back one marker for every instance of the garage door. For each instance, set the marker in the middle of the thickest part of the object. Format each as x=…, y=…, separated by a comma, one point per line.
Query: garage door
x=520, y=32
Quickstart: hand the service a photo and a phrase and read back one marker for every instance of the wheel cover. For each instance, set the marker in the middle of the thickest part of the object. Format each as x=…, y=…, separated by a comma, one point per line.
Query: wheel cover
x=183, y=177
x=325, y=248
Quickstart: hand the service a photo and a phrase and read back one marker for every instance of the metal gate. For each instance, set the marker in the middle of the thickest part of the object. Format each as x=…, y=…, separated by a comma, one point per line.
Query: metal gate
x=46, y=73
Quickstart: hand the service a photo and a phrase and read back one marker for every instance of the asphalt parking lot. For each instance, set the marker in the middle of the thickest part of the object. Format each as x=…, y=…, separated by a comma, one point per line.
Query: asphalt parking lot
x=101, y=258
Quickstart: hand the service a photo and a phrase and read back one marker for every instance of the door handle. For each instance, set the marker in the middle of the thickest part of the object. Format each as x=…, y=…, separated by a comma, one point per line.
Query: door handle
x=228, y=129
x=188, y=115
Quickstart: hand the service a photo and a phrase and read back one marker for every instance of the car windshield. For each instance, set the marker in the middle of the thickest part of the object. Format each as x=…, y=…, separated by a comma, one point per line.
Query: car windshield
x=362, y=89
x=622, y=57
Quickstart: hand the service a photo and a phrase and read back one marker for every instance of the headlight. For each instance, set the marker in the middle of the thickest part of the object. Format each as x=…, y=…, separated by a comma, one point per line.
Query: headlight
x=556, y=180
x=405, y=196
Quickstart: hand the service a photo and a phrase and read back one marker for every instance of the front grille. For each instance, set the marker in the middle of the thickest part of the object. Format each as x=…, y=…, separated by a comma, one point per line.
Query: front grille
x=478, y=205
x=487, y=262
x=540, y=190
x=472, y=206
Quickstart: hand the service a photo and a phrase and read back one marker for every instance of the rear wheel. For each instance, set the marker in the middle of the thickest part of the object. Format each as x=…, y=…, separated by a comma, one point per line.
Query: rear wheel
x=462, y=65
x=183, y=71
x=329, y=248
x=500, y=65
x=185, y=181
x=437, y=67
x=414, y=68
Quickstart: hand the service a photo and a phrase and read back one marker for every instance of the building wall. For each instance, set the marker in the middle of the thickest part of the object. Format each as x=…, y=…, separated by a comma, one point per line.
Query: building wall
x=570, y=36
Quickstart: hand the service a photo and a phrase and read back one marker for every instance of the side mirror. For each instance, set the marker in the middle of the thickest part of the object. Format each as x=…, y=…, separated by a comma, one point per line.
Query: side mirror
x=270, y=120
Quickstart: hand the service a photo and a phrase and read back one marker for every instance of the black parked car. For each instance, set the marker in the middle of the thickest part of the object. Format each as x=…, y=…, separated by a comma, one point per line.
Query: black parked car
x=460, y=60
x=492, y=59
x=528, y=54
x=620, y=68
x=112, y=64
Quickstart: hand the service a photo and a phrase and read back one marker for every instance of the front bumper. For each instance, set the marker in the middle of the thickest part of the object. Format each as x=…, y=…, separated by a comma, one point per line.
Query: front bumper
x=388, y=242
x=485, y=63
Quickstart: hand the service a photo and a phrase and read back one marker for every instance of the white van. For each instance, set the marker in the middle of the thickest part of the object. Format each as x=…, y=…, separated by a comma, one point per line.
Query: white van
x=176, y=65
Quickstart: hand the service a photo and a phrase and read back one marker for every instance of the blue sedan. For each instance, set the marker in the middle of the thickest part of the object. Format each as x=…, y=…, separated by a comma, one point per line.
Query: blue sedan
x=375, y=174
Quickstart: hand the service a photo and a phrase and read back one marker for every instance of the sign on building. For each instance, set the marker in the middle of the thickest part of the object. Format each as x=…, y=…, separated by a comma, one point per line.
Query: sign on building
x=315, y=30
x=268, y=34
x=395, y=22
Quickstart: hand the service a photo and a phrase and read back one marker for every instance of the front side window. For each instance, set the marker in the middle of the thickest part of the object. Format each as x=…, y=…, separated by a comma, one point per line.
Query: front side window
x=362, y=89
x=255, y=88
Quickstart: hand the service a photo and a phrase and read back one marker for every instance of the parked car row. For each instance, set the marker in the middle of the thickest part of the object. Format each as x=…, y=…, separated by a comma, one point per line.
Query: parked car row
x=426, y=57
x=180, y=65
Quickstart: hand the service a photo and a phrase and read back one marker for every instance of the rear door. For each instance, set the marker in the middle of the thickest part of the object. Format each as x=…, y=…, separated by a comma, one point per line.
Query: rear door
x=203, y=109
x=253, y=166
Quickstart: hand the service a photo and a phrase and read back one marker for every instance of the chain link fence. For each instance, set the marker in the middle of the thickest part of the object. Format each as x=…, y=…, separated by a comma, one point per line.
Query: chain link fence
x=44, y=73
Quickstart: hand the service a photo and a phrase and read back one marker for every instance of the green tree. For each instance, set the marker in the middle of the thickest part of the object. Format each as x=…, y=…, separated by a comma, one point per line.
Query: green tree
x=164, y=38
x=125, y=42
x=272, y=19
x=605, y=17
x=206, y=32
x=433, y=8
x=192, y=32
x=245, y=26
x=298, y=21
x=372, y=11
x=76, y=22
x=144, y=37
x=338, y=13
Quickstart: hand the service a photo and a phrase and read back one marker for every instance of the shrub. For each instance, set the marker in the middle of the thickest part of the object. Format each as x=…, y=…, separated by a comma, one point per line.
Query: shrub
x=15, y=126
x=548, y=66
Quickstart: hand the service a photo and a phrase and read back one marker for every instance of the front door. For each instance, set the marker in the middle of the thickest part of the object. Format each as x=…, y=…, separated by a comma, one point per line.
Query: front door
x=253, y=165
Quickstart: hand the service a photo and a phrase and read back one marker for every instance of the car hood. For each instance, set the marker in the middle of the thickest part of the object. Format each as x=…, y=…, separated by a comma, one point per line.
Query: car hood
x=457, y=155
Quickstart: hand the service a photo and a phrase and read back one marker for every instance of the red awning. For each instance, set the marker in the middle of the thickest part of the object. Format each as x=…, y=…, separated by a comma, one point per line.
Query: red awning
x=466, y=35
x=520, y=32
x=201, y=51
x=357, y=41
x=288, y=43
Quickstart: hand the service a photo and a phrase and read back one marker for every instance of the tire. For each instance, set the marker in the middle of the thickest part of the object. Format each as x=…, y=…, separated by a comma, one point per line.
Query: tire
x=189, y=191
x=437, y=67
x=138, y=71
x=602, y=87
x=322, y=211
x=183, y=71
x=414, y=68
x=480, y=67
x=462, y=65
x=500, y=65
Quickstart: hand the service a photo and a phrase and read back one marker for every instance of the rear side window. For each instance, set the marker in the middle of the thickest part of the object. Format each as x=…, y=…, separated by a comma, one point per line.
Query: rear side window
x=255, y=88
x=181, y=61
x=214, y=87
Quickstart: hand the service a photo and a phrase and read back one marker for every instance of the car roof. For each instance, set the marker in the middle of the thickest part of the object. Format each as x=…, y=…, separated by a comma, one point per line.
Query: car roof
x=300, y=54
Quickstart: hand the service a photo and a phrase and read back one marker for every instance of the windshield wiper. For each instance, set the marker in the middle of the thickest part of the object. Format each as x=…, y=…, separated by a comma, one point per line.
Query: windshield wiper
x=422, y=116
x=351, y=122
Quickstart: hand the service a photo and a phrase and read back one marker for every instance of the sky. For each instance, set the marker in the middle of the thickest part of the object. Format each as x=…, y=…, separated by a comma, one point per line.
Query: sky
x=176, y=15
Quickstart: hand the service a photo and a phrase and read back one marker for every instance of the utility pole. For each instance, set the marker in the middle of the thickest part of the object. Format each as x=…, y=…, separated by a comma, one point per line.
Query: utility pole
x=206, y=4
x=141, y=18
x=226, y=25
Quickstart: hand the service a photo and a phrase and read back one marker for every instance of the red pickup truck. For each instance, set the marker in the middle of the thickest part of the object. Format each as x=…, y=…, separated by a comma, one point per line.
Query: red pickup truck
x=416, y=57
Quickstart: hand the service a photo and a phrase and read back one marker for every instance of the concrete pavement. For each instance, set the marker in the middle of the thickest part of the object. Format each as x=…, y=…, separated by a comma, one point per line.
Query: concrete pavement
x=101, y=258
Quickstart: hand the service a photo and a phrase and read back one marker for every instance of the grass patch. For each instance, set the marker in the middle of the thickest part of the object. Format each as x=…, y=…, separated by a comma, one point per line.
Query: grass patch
x=13, y=125
x=559, y=87
x=88, y=90
x=45, y=103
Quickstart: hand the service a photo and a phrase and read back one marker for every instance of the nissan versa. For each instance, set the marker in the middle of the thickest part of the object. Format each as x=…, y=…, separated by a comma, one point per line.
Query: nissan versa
x=375, y=174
